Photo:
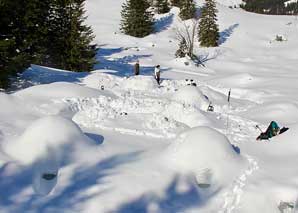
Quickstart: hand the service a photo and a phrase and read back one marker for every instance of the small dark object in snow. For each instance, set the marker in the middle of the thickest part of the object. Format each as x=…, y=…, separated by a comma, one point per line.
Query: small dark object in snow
x=210, y=108
x=286, y=206
x=193, y=84
x=166, y=119
x=186, y=63
x=49, y=176
x=186, y=79
x=102, y=87
x=191, y=80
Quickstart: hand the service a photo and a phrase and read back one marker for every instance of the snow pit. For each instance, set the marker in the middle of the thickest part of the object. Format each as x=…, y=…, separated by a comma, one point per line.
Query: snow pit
x=203, y=149
x=192, y=96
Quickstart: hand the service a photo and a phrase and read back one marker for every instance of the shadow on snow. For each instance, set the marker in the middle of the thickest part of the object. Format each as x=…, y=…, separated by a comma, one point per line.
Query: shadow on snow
x=224, y=35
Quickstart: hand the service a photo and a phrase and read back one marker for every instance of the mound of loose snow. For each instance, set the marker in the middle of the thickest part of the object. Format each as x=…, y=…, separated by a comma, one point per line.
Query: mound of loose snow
x=192, y=96
x=45, y=137
x=190, y=116
x=97, y=79
x=203, y=148
x=143, y=83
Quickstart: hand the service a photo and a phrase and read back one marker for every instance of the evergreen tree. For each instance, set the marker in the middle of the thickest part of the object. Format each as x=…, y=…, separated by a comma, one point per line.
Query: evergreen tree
x=136, y=20
x=70, y=38
x=162, y=6
x=187, y=9
x=176, y=3
x=13, y=58
x=208, y=32
x=183, y=50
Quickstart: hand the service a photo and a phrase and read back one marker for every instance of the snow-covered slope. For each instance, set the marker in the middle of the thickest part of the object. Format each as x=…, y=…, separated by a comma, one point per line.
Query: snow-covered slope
x=108, y=141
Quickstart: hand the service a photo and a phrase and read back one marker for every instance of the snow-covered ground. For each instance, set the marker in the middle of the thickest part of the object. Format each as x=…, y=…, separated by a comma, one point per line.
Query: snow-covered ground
x=114, y=142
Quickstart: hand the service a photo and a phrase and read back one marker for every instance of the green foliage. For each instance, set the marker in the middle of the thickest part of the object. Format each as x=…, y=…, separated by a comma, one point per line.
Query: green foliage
x=136, y=20
x=176, y=3
x=162, y=6
x=71, y=47
x=187, y=9
x=274, y=7
x=182, y=51
x=48, y=32
x=208, y=32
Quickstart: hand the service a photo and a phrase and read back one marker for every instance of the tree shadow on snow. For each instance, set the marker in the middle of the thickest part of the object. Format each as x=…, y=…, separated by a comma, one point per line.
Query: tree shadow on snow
x=44, y=75
x=224, y=35
x=171, y=201
x=163, y=23
x=66, y=198
x=123, y=66
x=98, y=139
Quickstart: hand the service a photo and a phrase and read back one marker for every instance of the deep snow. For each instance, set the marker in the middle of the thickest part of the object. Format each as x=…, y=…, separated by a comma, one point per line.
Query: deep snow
x=121, y=143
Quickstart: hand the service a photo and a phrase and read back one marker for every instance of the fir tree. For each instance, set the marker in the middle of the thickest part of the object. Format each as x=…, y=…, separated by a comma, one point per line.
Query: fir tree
x=13, y=58
x=183, y=50
x=136, y=20
x=208, y=32
x=176, y=3
x=162, y=6
x=71, y=47
x=187, y=9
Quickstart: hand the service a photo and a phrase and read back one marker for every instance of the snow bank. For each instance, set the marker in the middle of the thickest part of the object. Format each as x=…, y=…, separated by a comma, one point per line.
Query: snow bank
x=192, y=96
x=143, y=83
x=60, y=90
x=205, y=149
x=46, y=137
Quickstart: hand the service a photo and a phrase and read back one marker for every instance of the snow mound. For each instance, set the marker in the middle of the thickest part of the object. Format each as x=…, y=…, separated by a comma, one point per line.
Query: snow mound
x=203, y=148
x=191, y=96
x=190, y=116
x=60, y=90
x=143, y=83
x=46, y=137
x=97, y=79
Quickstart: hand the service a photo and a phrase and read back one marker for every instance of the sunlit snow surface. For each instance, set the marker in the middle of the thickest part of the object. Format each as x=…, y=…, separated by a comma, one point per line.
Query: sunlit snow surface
x=121, y=143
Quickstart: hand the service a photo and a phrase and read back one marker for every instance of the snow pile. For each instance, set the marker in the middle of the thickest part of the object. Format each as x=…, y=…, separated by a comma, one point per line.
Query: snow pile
x=191, y=153
x=97, y=79
x=46, y=145
x=143, y=83
x=191, y=96
x=190, y=116
x=52, y=135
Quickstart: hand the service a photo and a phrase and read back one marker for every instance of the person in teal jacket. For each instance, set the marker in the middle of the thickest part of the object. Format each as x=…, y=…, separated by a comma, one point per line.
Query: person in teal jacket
x=272, y=130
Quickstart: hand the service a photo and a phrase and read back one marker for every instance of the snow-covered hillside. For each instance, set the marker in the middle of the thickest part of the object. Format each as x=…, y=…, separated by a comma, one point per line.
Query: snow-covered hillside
x=108, y=141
